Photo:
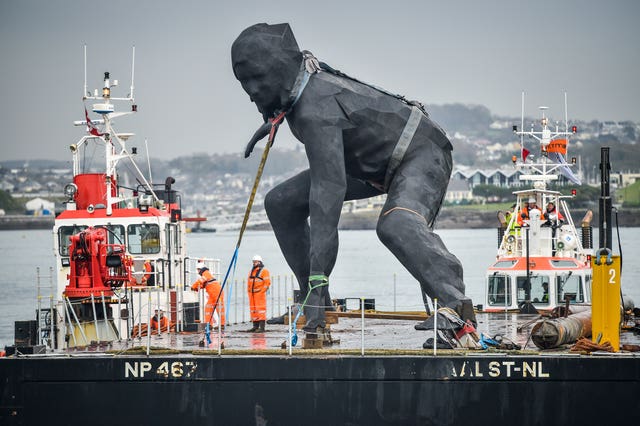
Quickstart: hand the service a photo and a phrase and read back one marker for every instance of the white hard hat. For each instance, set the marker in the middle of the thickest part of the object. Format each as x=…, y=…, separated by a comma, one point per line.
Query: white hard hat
x=159, y=308
x=257, y=257
x=532, y=200
x=200, y=265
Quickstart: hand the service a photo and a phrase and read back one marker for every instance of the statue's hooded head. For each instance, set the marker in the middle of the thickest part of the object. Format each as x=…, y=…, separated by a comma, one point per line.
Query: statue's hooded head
x=266, y=60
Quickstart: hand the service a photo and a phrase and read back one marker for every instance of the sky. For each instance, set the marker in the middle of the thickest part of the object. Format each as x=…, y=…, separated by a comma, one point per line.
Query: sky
x=439, y=52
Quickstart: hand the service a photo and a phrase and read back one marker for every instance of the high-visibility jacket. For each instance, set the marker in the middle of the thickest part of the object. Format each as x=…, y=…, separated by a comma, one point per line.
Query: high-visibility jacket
x=549, y=214
x=523, y=214
x=257, y=285
x=164, y=323
x=148, y=278
x=214, y=290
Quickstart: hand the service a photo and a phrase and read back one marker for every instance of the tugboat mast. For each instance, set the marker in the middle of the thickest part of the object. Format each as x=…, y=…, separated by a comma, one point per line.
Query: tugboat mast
x=605, y=237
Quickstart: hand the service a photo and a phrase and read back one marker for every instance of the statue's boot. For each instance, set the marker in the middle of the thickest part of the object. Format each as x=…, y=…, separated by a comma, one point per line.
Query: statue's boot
x=314, y=309
x=463, y=307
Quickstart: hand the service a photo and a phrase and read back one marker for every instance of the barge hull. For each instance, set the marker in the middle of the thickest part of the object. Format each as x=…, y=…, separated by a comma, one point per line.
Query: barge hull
x=247, y=390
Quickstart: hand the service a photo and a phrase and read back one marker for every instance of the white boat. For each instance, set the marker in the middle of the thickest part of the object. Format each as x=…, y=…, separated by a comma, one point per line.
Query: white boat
x=542, y=261
x=107, y=233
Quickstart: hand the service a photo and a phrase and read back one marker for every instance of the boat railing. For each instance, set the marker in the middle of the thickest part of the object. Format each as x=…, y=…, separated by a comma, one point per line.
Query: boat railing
x=46, y=324
x=543, y=240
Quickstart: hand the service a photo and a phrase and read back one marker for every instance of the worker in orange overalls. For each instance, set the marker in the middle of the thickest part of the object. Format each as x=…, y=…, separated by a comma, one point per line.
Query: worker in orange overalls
x=214, y=293
x=159, y=321
x=257, y=286
x=149, y=277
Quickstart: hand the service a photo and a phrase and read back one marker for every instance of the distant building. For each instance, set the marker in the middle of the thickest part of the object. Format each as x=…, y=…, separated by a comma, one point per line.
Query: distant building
x=496, y=177
x=40, y=207
x=458, y=190
x=622, y=180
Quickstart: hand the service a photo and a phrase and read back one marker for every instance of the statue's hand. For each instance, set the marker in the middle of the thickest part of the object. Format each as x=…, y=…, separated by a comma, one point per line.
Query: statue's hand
x=257, y=136
x=249, y=149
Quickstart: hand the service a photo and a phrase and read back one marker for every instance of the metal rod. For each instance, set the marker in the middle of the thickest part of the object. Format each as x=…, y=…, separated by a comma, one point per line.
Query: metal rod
x=54, y=318
x=279, y=306
x=146, y=147
x=244, y=293
x=289, y=300
x=435, y=326
x=139, y=314
x=95, y=317
x=286, y=295
x=219, y=335
x=133, y=66
x=39, y=305
x=148, y=328
x=84, y=336
x=362, y=326
x=566, y=114
x=273, y=301
x=605, y=231
x=120, y=318
x=158, y=307
x=84, y=93
x=522, y=125
x=68, y=315
x=235, y=302
x=107, y=326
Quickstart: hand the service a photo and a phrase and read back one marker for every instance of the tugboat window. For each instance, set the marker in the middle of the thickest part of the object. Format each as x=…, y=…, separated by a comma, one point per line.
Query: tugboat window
x=571, y=286
x=505, y=263
x=143, y=239
x=115, y=233
x=497, y=285
x=563, y=263
x=534, y=291
x=64, y=233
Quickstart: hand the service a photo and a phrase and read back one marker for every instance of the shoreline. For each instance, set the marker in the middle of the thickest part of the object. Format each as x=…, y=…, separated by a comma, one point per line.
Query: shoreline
x=449, y=218
x=463, y=218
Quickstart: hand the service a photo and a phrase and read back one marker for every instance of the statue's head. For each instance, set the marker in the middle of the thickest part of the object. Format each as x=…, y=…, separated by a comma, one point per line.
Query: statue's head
x=266, y=60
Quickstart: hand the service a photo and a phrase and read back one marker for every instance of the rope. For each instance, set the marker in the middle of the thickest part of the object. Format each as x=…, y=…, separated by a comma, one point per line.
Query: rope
x=294, y=330
x=275, y=122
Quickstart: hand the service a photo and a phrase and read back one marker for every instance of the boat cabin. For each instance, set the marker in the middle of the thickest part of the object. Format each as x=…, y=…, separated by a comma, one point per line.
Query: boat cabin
x=541, y=259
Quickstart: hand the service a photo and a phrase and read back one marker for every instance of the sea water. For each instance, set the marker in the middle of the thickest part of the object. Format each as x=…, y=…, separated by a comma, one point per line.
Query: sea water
x=364, y=268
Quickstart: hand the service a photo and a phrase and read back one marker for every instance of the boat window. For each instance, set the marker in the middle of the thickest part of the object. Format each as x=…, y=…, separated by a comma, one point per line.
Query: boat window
x=505, y=263
x=64, y=233
x=143, y=238
x=496, y=290
x=570, y=286
x=563, y=263
x=540, y=290
x=115, y=233
x=176, y=240
x=534, y=291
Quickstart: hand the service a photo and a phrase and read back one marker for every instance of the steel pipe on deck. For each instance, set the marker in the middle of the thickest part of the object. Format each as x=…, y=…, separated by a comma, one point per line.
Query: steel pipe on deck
x=552, y=333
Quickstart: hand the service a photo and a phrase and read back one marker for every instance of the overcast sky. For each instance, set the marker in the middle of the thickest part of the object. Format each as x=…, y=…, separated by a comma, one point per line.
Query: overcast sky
x=466, y=51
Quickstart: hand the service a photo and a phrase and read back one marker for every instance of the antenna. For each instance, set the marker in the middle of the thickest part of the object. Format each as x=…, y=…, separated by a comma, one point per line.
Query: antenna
x=133, y=64
x=522, y=123
x=84, y=93
x=146, y=146
x=566, y=114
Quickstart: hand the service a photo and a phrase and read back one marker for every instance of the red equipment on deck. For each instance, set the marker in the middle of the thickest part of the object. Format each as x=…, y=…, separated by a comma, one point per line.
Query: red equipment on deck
x=96, y=266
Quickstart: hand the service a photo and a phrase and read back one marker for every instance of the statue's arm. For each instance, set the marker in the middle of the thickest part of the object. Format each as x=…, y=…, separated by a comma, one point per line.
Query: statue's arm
x=325, y=151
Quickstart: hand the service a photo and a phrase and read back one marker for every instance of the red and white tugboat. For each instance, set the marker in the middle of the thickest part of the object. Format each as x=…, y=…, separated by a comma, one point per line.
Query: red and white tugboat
x=120, y=249
x=541, y=261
